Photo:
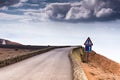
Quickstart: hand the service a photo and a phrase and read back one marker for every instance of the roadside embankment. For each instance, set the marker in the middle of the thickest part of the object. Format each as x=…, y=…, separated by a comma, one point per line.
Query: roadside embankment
x=78, y=72
x=95, y=66
x=104, y=63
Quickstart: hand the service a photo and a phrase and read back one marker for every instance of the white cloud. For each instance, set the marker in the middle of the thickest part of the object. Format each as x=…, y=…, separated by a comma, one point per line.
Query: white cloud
x=78, y=13
x=17, y=5
x=66, y=11
x=29, y=16
x=57, y=10
x=5, y=16
x=104, y=12
x=20, y=3
x=4, y=8
x=36, y=16
x=9, y=16
x=23, y=0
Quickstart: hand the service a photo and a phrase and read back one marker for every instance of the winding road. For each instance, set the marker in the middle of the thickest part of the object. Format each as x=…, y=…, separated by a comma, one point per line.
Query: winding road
x=52, y=65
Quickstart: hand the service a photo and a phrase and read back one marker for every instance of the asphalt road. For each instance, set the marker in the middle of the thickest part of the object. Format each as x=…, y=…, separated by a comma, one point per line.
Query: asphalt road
x=53, y=65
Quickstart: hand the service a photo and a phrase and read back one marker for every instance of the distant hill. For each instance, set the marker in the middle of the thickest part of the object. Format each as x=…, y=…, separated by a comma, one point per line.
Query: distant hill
x=8, y=42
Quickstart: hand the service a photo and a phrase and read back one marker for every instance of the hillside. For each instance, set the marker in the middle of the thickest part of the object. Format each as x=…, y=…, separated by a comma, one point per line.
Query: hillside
x=8, y=42
x=98, y=67
x=101, y=68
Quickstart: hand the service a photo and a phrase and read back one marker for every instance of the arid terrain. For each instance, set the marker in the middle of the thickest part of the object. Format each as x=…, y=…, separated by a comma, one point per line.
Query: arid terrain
x=13, y=52
x=8, y=42
x=101, y=68
x=6, y=53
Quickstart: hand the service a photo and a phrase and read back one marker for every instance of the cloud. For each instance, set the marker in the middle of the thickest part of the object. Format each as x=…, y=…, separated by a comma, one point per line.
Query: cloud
x=17, y=5
x=11, y=2
x=11, y=17
x=83, y=10
x=4, y=8
x=51, y=1
x=82, y=13
x=68, y=10
x=20, y=3
x=28, y=16
x=104, y=12
x=57, y=10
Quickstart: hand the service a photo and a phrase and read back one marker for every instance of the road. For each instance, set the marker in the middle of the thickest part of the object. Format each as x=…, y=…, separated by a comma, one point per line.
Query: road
x=52, y=65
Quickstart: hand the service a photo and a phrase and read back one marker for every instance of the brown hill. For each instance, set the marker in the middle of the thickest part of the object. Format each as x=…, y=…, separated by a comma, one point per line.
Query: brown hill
x=101, y=68
x=8, y=42
x=105, y=63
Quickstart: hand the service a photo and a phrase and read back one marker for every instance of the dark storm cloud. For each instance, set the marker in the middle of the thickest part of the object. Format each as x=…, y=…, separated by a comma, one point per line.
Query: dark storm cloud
x=84, y=10
x=64, y=10
x=51, y=1
x=10, y=2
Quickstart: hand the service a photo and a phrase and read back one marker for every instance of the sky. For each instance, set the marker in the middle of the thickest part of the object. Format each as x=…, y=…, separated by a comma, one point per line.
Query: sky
x=63, y=22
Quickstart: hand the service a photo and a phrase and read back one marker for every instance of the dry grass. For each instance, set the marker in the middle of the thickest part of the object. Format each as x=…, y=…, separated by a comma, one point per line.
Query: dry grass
x=76, y=54
x=6, y=53
x=78, y=73
x=10, y=56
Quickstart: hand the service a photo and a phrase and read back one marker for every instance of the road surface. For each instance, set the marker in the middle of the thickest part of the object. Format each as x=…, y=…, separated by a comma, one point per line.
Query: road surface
x=53, y=65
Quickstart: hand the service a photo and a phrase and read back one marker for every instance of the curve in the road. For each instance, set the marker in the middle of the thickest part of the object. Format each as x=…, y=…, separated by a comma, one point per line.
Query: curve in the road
x=53, y=65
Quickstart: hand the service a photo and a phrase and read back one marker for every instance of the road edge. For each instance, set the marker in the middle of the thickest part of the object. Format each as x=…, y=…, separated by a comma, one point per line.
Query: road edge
x=78, y=72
